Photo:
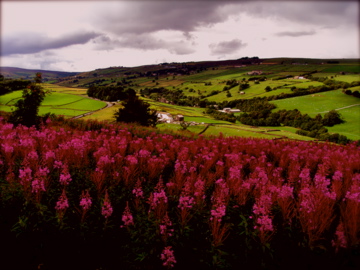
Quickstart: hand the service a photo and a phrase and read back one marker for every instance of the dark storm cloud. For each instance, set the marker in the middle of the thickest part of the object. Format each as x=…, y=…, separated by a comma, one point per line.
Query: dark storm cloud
x=141, y=17
x=145, y=17
x=295, y=33
x=227, y=47
x=28, y=43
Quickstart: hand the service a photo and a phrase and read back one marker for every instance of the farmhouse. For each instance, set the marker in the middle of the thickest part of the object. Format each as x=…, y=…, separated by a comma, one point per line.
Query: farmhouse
x=229, y=110
x=255, y=72
x=179, y=117
x=165, y=117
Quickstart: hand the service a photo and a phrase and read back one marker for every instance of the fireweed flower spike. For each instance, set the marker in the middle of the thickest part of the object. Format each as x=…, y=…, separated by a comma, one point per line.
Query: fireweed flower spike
x=106, y=209
x=61, y=205
x=168, y=258
x=127, y=217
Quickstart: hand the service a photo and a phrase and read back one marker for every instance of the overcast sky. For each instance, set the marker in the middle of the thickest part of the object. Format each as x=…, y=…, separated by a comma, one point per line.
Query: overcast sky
x=86, y=35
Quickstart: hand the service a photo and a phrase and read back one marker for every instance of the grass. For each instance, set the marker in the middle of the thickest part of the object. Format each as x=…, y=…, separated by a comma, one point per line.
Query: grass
x=324, y=102
x=317, y=103
x=61, y=101
x=106, y=114
x=347, y=78
x=10, y=98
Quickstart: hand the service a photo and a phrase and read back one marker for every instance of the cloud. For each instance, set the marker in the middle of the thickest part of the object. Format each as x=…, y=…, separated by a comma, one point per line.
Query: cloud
x=295, y=33
x=143, y=42
x=139, y=17
x=28, y=43
x=324, y=14
x=227, y=47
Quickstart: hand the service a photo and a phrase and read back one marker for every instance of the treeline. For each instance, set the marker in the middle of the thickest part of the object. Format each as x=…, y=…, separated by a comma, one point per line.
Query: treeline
x=9, y=85
x=351, y=93
x=109, y=93
x=248, y=105
x=308, y=126
x=221, y=115
x=328, y=86
x=175, y=96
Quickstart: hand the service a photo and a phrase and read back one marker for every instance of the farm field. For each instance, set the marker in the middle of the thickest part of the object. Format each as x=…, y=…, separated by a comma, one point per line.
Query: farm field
x=324, y=102
x=60, y=100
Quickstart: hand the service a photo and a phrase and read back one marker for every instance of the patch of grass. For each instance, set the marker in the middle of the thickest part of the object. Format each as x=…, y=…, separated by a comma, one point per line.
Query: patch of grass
x=10, y=98
x=106, y=114
x=351, y=127
x=324, y=102
x=85, y=104
x=317, y=103
x=347, y=78
x=59, y=102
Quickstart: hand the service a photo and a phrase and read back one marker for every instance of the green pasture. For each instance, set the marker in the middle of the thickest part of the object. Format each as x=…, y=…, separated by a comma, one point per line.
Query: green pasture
x=106, y=114
x=63, y=89
x=324, y=102
x=6, y=108
x=355, y=88
x=347, y=78
x=61, y=111
x=317, y=103
x=253, y=91
x=10, y=98
x=229, y=131
x=175, y=109
x=206, y=120
x=351, y=127
x=57, y=101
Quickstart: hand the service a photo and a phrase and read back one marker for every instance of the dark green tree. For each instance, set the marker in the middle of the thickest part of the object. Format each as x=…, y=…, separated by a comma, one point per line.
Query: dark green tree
x=136, y=111
x=26, y=112
x=332, y=118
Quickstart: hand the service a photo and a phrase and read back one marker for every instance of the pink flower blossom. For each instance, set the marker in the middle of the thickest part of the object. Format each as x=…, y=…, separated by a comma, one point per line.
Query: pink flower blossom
x=62, y=203
x=168, y=258
x=106, y=209
x=127, y=217
x=85, y=201
x=37, y=185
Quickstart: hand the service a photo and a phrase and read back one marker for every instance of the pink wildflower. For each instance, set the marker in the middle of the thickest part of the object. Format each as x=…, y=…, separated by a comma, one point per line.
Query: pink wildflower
x=85, y=201
x=186, y=202
x=37, y=185
x=168, y=258
x=218, y=212
x=62, y=204
x=65, y=177
x=106, y=209
x=127, y=217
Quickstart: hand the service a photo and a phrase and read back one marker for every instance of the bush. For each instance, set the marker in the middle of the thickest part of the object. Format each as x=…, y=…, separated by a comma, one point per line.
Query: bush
x=136, y=111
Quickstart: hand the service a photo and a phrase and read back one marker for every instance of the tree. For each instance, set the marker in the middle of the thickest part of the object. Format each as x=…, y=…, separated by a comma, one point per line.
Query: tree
x=136, y=111
x=332, y=118
x=26, y=112
x=268, y=89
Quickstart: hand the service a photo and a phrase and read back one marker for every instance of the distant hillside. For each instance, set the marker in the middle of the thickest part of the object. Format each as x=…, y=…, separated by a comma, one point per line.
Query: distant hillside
x=17, y=73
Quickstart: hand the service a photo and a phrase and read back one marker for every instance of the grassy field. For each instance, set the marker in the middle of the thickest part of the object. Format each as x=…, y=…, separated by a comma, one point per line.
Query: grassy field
x=317, y=103
x=347, y=78
x=324, y=102
x=60, y=100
